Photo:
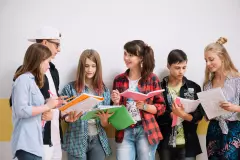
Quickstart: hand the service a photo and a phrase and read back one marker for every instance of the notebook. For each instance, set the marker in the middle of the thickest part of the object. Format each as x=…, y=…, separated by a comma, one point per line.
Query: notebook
x=120, y=120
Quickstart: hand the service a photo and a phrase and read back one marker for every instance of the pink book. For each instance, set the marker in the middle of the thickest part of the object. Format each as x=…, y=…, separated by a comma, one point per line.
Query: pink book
x=137, y=96
x=175, y=118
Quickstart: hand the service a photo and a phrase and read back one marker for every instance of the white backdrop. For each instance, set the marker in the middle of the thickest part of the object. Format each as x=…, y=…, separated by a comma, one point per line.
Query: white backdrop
x=107, y=25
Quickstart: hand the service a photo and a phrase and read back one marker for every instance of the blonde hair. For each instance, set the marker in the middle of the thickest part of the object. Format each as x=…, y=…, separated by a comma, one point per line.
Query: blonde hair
x=227, y=64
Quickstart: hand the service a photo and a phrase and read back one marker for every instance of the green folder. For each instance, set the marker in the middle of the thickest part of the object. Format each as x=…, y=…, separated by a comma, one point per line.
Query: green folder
x=121, y=119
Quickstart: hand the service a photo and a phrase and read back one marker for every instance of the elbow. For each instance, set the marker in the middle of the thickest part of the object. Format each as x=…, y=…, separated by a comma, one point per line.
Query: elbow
x=195, y=119
x=154, y=111
x=24, y=113
x=161, y=110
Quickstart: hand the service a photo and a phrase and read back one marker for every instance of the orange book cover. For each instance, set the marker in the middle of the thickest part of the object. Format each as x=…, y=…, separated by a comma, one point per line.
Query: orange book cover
x=80, y=99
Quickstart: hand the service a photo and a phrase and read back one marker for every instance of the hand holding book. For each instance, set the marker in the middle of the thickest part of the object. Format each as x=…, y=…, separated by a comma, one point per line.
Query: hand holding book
x=72, y=116
x=120, y=119
x=103, y=116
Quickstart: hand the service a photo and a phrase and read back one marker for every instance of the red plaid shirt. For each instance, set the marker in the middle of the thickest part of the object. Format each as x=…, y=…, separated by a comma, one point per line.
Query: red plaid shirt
x=149, y=122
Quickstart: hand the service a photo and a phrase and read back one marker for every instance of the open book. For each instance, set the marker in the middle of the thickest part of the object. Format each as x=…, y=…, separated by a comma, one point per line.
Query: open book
x=82, y=103
x=137, y=96
x=121, y=119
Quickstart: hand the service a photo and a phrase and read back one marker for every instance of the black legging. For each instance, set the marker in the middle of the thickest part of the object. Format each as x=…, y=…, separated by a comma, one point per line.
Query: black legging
x=173, y=154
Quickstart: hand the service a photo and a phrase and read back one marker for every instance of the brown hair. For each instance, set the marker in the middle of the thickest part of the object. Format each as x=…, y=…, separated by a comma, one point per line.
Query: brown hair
x=141, y=49
x=34, y=56
x=228, y=66
x=98, y=85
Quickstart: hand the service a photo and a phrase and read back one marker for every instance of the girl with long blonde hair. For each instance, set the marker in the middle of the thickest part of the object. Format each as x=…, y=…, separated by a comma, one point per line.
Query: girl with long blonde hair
x=223, y=135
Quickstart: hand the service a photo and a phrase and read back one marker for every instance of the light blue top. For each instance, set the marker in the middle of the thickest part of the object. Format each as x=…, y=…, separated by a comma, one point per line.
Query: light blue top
x=27, y=130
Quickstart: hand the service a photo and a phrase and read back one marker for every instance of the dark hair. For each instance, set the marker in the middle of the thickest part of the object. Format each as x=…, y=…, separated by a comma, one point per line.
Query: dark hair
x=141, y=49
x=98, y=85
x=34, y=56
x=39, y=40
x=176, y=56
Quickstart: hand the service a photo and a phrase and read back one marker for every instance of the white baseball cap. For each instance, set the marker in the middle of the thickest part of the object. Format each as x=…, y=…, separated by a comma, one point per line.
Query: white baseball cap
x=46, y=32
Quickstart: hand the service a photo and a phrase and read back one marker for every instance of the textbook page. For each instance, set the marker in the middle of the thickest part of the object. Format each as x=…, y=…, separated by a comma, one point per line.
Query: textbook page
x=84, y=106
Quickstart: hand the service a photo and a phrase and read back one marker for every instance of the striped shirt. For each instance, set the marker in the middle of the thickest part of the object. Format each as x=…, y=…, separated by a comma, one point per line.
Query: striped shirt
x=231, y=91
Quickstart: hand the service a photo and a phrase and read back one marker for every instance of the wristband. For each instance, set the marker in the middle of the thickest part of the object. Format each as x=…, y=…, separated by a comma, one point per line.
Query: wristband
x=145, y=107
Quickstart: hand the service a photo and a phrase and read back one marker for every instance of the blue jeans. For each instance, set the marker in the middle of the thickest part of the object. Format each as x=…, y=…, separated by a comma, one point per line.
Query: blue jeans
x=135, y=145
x=23, y=155
x=94, y=150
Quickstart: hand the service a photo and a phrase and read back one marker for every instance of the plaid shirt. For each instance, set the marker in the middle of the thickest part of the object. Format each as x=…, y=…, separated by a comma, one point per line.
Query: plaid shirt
x=76, y=136
x=150, y=126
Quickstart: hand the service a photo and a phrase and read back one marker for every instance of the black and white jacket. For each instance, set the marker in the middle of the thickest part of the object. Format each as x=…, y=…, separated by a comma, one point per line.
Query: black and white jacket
x=188, y=90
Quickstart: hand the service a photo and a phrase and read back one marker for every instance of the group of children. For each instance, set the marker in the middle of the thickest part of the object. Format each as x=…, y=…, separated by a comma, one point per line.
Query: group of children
x=87, y=140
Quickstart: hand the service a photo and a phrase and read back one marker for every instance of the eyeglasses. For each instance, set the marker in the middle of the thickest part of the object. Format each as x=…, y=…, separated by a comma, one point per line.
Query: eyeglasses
x=57, y=44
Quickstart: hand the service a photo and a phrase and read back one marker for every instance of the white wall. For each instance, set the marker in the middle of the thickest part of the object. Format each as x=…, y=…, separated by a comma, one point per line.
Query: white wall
x=107, y=25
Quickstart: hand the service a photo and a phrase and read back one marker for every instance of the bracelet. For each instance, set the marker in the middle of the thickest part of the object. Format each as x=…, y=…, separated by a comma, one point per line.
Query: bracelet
x=145, y=107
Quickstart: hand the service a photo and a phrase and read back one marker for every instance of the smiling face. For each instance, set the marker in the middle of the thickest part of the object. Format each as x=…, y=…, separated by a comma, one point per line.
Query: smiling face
x=90, y=69
x=213, y=61
x=131, y=60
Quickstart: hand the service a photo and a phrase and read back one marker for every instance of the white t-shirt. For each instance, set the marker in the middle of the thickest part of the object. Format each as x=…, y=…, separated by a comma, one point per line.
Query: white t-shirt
x=131, y=104
x=55, y=133
x=92, y=127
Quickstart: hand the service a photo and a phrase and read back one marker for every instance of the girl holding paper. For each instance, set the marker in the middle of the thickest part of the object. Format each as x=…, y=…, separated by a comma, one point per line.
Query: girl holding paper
x=181, y=141
x=28, y=104
x=223, y=135
x=87, y=140
x=138, y=141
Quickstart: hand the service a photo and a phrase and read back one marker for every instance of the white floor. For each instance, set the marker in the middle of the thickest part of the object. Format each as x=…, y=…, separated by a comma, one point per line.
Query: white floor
x=5, y=150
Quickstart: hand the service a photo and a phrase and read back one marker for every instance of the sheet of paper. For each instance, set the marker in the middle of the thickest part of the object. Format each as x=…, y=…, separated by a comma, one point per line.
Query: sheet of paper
x=189, y=106
x=210, y=101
